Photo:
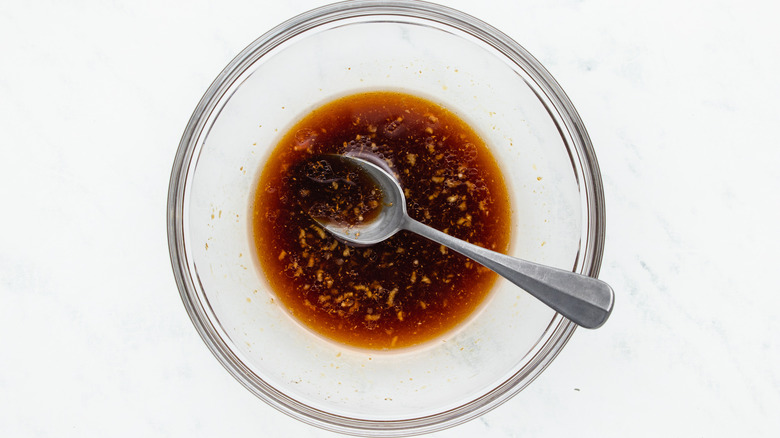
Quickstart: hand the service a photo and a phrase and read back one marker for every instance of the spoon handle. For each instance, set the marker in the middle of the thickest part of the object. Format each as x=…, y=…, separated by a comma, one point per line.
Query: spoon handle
x=584, y=300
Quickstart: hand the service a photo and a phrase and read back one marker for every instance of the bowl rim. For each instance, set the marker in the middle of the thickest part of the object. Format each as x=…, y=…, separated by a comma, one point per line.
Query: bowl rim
x=558, y=106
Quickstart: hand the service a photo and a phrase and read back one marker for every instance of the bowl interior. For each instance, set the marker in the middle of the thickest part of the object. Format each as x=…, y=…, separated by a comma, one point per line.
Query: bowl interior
x=276, y=82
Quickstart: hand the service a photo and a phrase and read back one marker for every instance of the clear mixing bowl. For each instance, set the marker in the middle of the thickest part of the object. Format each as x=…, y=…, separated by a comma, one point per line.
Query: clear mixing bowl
x=443, y=55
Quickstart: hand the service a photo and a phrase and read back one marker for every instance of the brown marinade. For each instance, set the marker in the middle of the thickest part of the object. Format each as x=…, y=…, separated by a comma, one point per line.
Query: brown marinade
x=406, y=290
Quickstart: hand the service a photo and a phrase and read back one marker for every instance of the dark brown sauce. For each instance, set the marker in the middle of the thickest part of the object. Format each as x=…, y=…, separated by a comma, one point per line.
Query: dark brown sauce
x=407, y=289
x=334, y=191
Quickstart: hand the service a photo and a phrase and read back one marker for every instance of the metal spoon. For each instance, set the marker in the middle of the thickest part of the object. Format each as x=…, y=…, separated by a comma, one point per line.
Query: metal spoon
x=584, y=300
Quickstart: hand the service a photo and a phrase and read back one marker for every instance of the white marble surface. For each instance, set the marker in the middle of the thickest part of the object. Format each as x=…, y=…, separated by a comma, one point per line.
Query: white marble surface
x=680, y=99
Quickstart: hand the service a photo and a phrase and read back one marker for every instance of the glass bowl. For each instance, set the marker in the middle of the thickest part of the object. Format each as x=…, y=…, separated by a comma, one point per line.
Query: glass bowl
x=445, y=56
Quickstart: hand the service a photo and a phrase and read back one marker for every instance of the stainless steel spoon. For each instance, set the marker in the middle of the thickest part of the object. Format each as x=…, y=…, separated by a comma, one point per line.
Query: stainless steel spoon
x=584, y=300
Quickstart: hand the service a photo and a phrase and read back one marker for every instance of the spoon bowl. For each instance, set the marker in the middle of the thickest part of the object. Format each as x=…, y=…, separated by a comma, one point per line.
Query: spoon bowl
x=584, y=300
x=392, y=216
